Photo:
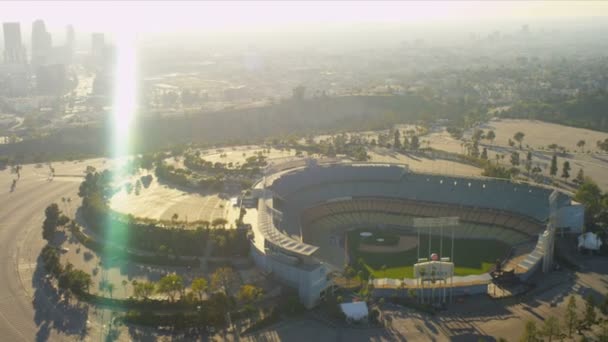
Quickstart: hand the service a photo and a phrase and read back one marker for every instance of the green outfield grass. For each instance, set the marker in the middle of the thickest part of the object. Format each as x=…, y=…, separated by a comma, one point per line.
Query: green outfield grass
x=471, y=256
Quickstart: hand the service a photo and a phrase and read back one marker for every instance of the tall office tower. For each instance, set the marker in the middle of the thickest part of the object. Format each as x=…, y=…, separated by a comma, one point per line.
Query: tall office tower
x=98, y=44
x=14, y=52
x=41, y=44
x=70, y=43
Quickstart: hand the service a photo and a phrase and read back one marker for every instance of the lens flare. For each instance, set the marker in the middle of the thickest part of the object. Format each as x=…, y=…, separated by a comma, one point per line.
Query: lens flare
x=125, y=94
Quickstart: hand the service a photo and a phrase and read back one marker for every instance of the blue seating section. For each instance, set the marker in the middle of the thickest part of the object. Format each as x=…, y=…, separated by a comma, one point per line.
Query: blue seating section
x=307, y=187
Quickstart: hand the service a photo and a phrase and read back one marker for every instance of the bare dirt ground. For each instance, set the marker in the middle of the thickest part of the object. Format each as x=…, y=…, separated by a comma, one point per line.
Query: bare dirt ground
x=160, y=201
x=405, y=243
x=538, y=135
x=542, y=134
x=423, y=164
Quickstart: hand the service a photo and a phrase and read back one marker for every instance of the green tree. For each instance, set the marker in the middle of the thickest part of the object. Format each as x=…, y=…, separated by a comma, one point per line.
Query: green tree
x=249, y=293
x=224, y=279
x=553, y=168
x=580, y=176
x=143, y=290
x=581, y=144
x=219, y=222
x=484, y=154
x=199, y=286
x=397, y=140
x=491, y=136
x=590, y=314
x=110, y=288
x=519, y=137
x=49, y=226
x=515, y=158
x=477, y=135
x=137, y=187
x=529, y=162
x=551, y=328
x=414, y=143
x=531, y=333
x=566, y=170
x=571, y=316
x=171, y=285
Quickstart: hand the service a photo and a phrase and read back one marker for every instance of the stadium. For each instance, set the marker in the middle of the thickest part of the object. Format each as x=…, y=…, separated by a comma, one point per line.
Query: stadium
x=314, y=218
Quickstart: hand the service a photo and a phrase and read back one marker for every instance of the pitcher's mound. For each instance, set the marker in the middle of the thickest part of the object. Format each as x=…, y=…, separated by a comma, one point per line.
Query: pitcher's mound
x=405, y=243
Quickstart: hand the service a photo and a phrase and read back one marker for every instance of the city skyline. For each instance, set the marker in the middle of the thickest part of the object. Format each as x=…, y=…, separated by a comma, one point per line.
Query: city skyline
x=235, y=16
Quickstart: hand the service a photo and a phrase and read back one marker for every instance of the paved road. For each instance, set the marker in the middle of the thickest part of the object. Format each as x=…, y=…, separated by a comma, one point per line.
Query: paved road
x=29, y=308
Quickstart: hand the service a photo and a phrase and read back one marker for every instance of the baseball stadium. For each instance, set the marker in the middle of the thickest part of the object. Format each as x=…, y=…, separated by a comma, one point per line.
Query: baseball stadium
x=315, y=218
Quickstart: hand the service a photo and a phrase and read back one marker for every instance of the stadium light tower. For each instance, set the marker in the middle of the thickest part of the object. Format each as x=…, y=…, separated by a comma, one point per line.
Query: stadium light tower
x=445, y=265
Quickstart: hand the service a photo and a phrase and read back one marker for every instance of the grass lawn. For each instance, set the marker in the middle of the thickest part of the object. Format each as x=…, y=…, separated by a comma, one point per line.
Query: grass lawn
x=471, y=256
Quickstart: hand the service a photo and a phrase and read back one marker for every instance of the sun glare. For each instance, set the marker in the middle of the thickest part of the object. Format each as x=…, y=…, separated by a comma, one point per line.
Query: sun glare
x=125, y=93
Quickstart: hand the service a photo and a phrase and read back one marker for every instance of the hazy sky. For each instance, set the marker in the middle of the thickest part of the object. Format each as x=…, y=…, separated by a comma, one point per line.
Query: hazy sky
x=159, y=16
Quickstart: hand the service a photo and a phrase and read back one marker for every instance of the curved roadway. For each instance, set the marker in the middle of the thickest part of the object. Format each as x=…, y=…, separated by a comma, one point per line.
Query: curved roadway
x=29, y=310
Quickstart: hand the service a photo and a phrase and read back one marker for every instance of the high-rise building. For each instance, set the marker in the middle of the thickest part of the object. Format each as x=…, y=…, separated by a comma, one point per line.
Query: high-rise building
x=98, y=44
x=42, y=44
x=14, y=52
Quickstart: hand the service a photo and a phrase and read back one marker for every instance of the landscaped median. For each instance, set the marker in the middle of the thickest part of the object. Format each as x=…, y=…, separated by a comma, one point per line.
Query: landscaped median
x=124, y=254
x=182, y=308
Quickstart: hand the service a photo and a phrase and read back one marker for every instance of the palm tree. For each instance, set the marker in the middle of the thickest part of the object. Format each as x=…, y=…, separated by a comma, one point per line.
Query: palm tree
x=581, y=144
x=110, y=288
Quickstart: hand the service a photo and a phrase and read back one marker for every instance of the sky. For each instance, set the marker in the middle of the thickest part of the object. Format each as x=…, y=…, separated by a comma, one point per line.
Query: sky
x=161, y=16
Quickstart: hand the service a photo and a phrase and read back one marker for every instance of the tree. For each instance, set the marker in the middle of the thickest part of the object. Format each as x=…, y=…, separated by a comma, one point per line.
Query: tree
x=603, y=145
x=171, y=285
x=199, y=286
x=484, y=154
x=519, y=137
x=530, y=333
x=566, y=170
x=571, y=317
x=529, y=162
x=491, y=136
x=477, y=135
x=580, y=176
x=143, y=290
x=475, y=149
x=515, y=158
x=397, y=140
x=590, y=314
x=360, y=276
x=137, y=187
x=124, y=285
x=551, y=328
x=219, y=222
x=553, y=168
x=249, y=293
x=49, y=226
x=174, y=217
x=581, y=144
x=110, y=288
x=224, y=279
x=414, y=143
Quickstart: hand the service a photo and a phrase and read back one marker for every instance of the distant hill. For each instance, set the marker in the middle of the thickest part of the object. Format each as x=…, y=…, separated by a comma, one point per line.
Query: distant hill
x=319, y=115
x=585, y=111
